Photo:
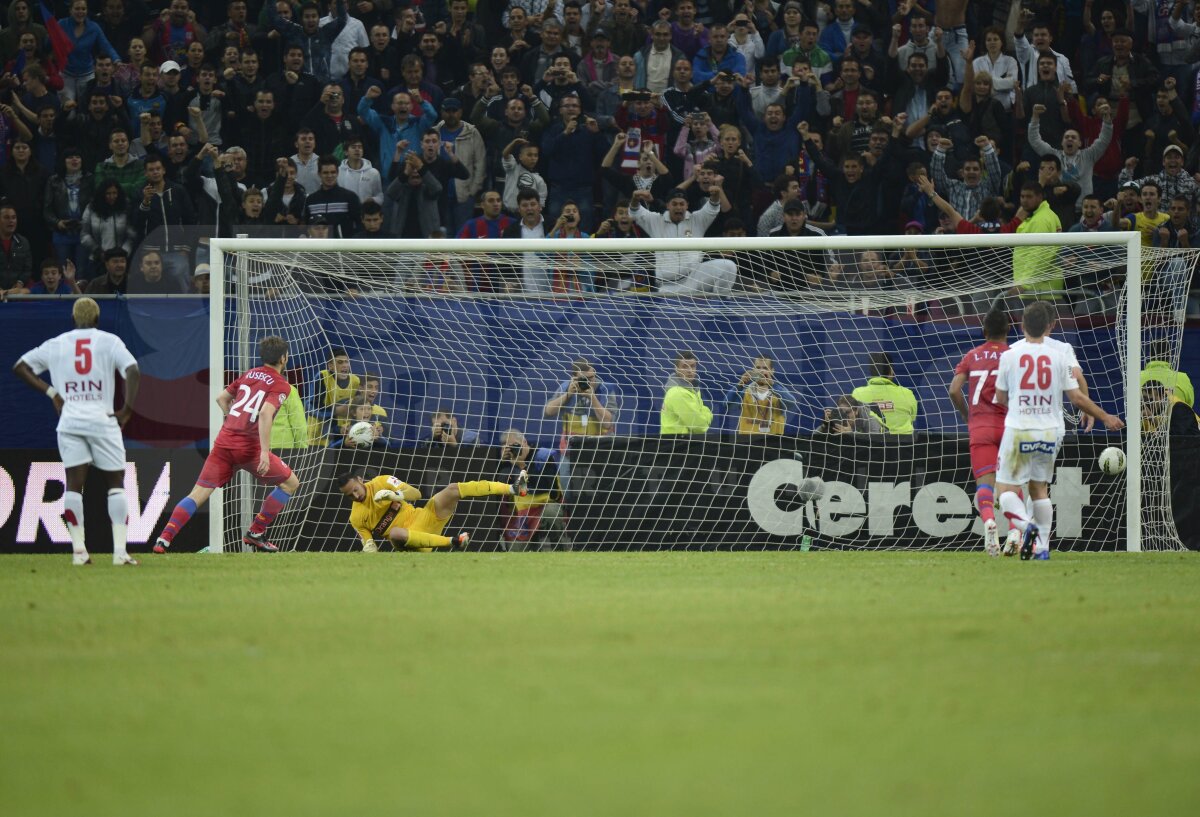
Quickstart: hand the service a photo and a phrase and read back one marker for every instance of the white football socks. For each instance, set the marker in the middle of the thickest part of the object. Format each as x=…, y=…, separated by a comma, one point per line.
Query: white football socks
x=73, y=514
x=1043, y=517
x=118, y=514
x=1013, y=508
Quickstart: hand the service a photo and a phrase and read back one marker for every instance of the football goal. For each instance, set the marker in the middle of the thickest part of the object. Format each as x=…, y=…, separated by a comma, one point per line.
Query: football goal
x=806, y=408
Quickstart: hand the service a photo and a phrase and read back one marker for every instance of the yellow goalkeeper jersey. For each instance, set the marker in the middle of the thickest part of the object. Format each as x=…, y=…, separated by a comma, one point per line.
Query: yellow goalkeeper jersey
x=366, y=514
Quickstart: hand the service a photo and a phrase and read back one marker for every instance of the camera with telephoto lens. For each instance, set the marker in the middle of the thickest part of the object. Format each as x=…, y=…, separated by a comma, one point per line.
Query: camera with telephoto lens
x=447, y=429
x=582, y=384
x=512, y=451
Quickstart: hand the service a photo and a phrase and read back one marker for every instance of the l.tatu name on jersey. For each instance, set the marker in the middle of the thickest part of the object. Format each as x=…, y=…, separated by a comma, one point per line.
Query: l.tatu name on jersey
x=986, y=355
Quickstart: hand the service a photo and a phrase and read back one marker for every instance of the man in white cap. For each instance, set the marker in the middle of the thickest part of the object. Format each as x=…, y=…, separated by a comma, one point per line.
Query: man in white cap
x=200, y=279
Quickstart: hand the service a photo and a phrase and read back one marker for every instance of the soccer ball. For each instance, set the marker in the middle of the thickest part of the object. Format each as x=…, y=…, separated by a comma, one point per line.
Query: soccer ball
x=362, y=434
x=811, y=488
x=1112, y=461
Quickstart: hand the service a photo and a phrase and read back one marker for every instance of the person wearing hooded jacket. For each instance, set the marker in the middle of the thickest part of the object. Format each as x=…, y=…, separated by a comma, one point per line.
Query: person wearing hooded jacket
x=358, y=175
x=470, y=149
x=683, y=409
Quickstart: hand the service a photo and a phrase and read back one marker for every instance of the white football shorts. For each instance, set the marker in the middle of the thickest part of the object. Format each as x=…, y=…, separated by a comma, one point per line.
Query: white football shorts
x=1027, y=454
x=104, y=450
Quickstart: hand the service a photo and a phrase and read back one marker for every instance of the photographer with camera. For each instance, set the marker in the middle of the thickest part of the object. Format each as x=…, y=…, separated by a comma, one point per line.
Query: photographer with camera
x=760, y=404
x=543, y=502
x=584, y=402
x=850, y=417
x=444, y=430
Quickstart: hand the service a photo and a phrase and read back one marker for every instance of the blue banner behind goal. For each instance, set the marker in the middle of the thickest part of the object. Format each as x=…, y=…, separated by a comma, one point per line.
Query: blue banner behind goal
x=495, y=362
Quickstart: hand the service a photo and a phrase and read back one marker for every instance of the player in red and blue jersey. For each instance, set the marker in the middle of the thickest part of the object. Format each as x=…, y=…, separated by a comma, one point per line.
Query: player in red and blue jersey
x=985, y=417
x=244, y=444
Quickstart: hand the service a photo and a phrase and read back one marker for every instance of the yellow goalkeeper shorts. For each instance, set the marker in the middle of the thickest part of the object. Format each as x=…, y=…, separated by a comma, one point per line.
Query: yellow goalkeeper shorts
x=423, y=519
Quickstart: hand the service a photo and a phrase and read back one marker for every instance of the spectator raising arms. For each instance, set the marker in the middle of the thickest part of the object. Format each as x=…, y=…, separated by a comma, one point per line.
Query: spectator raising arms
x=681, y=119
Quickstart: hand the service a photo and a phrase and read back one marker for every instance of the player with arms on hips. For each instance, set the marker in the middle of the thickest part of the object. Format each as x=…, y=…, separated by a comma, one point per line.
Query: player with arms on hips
x=81, y=364
x=244, y=444
x=382, y=509
x=1032, y=379
x=985, y=417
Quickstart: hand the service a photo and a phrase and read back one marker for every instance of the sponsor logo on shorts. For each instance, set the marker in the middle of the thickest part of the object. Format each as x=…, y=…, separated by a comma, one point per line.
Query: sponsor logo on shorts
x=1037, y=447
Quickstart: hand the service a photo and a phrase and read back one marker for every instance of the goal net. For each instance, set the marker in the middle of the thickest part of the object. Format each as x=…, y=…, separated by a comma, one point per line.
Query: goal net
x=465, y=374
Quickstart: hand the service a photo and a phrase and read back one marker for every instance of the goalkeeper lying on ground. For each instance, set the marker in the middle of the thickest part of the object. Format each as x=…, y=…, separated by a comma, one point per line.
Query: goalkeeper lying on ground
x=382, y=510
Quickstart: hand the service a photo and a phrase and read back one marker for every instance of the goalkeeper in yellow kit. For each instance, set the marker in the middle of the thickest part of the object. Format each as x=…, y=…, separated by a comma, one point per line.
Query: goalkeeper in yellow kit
x=383, y=510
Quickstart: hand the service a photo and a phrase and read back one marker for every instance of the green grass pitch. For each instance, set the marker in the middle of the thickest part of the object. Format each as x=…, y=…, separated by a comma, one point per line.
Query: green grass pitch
x=601, y=684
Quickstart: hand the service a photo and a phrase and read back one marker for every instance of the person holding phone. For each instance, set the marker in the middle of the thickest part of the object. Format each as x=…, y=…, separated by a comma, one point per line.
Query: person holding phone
x=745, y=39
x=572, y=147
x=567, y=225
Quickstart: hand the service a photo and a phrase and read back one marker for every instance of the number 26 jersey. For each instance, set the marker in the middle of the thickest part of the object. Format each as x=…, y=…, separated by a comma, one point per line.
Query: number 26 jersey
x=1035, y=375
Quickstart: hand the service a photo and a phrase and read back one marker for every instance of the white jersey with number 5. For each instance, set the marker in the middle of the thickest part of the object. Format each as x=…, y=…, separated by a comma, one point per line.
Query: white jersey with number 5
x=1035, y=375
x=83, y=364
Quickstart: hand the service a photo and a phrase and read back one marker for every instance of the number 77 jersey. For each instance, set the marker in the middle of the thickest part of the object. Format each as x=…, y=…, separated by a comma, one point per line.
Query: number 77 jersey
x=250, y=393
x=981, y=365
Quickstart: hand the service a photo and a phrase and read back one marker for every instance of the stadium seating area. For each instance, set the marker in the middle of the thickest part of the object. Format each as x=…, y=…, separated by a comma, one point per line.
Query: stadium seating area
x=131, y=127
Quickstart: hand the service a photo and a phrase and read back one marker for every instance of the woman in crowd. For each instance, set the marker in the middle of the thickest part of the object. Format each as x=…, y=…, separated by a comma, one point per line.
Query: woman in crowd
x=106, y=222
x=128, y=75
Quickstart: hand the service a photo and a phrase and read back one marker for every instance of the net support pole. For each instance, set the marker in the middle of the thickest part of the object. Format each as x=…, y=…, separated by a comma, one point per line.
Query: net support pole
x=1133, y=392
x=245, y=363
x=216, y=381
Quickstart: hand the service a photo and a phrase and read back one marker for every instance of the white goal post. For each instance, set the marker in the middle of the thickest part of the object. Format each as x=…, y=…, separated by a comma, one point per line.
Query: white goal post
x=232, y=290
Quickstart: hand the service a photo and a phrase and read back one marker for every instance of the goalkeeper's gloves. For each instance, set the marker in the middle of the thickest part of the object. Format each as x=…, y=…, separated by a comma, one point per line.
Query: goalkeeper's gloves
x=388, y=496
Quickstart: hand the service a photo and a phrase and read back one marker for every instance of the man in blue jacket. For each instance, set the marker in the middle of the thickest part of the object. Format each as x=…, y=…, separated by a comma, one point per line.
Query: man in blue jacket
x=776, y=140
x=717, y=56
x=402, y=126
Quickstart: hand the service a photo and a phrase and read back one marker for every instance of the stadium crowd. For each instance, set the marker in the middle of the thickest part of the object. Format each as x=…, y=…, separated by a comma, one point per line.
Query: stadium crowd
x=127, y=126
